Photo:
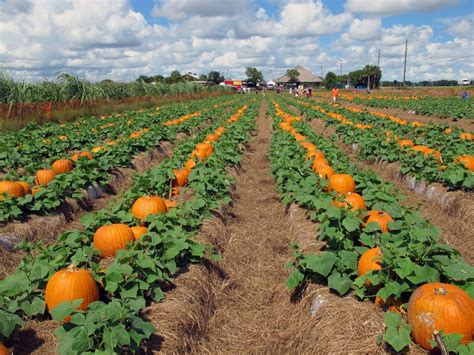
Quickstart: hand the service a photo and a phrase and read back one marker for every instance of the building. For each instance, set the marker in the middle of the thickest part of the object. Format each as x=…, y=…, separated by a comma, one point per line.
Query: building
x=306, y=78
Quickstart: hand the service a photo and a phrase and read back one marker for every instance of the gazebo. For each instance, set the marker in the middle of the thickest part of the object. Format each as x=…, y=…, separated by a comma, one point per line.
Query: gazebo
x=306, y=78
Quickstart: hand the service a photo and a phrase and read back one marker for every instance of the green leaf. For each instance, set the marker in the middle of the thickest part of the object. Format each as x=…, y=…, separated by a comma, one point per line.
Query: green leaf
x=65, y=309
x=320, y=264
x=351, y=223
x=294, y=279
x=121, y=334
x=340, y=283
x=397, y=334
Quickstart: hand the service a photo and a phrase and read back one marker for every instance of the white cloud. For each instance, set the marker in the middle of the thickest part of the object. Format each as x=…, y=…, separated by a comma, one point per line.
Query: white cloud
x=364, y=30
x=395, y=7
x=180, y=9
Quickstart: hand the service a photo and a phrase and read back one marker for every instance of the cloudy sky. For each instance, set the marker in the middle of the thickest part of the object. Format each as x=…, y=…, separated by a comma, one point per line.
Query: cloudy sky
x=121, y=39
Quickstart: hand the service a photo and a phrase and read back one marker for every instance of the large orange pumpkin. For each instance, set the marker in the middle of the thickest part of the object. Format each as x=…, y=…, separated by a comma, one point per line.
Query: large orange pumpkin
x=466, y=136
x=467, y=161
x=71, y=284
x=438, y=306
x=62, y=166
x=44, y=176
x=324, y=171
x=314, y=154
x=382, y=218
x=138, y=231
x=87, y=155
x=26, y=187
x=369, y=261
x=319, y=162
x=181, y=177
x=11, y=189
x=308, y=146
x=351, y=200
x=111, y=238
x=4, y=350
x=147, y=205
x=341, y=183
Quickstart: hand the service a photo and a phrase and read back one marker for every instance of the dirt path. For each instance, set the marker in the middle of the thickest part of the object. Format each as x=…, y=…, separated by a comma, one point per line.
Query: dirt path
x=246, y=307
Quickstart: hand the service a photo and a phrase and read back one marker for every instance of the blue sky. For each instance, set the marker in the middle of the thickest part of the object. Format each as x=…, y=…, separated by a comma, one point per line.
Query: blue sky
x=121, y=39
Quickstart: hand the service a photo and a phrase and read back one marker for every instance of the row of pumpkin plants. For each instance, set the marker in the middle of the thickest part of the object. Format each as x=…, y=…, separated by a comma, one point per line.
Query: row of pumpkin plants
x=374, y=247
x=429, y=153
x=97, y=282
x=60, y=176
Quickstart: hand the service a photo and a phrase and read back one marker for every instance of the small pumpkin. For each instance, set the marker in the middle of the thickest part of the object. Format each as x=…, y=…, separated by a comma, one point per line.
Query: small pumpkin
x=467, y=161
x=448, y=130
x=406, y=142
x=35, y=190
x=189, y=165
x=308, y=146
x=181, y=177
x=319, y=162
x=71, y=284
x=62, y=166
x=138, y=231
x=86, y=155
x=382, y=218
x=438, y=306
x=4, y=350
x=421, y=148
x=111, y=238
x=466, y=136
x=324, y=171
x=170, y=204
x=351, y=200
x=341, y=183
x=212, y=137
x=369, y=261
x=147, y=205
x=314, y=154
x=11, y=189
x=44, y=176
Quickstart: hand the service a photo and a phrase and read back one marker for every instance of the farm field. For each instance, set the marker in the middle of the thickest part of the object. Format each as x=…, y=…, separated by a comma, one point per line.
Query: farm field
x=236, y=224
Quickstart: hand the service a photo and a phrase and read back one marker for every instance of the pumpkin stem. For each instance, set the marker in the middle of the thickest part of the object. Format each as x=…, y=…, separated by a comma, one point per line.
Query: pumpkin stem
x=440, y=291
x=439, y=341
x=72, y=268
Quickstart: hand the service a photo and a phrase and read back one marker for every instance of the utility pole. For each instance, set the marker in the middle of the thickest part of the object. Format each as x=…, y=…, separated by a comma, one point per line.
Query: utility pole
x=321, y=71
x=378, y=59
x=341, y=70
x=405, y=65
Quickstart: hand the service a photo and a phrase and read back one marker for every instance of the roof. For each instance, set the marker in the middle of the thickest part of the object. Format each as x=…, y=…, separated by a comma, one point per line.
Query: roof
x=305, y=76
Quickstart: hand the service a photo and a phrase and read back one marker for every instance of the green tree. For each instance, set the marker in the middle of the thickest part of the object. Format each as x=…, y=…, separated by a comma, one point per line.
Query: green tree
x=215, y=77
x=371, y=75
x=203, y=77
x=253, y=75
x=293, y=74
x=355, y=78
x=175, y=77
x=330, y=80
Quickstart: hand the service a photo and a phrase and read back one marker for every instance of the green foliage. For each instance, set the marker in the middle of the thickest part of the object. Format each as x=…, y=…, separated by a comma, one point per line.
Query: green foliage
x=293, y=74
x=253, y=75
x=330, y=80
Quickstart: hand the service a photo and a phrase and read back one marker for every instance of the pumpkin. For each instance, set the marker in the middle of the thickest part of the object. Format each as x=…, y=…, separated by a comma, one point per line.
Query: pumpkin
x=87, y=155
x=110, y=238
x=170, y=204
x=319, y=162
x=62, y=166
x=448, y=130
x=369, y=261
x=392, y=304
x=212, y=137
x=352, y=200
x=35, y=190
x=341, y=183
x=44, y=176
x=437, y=306
x=181, y=177
x=466, y=136
x=189, y=165
x=382, y=218
x=308, y=146
x=147, y=205
x=26, y=187
x=71, y=284
x=138, y=231
x=406, y=142
x=421, y=148
x=4, y=350
x=11, y=189
x=314, y=154
x=324, y=171
x=299, y=137
x=98, y=149
x=467, y=161
x=202, y=151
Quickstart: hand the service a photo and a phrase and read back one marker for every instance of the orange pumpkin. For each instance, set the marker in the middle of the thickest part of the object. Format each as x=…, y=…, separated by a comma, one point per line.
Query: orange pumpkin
x=341, y=183
x=382, y=218
x=421, y=148
x=324, y=171
x=448, y=130
x=308, y=146
x=4, y=350
x=98, y=149
x=170, y=204
x=62, y=166
x=147, y=205
x=369, y=261
x=189, y=165
x=352, y=200
x=314, y=154
x=406, y=142
x=212, y=137
x=11, y=189
x=467, y=161
x=71, y=284
x=44, y=176
x=319, y=162
x=181, y=177
x=111, y=238
x=138, y=231
x=87, y=155
x=35, y=190
x=466, y=136
x=26, y=187
x=437, y=306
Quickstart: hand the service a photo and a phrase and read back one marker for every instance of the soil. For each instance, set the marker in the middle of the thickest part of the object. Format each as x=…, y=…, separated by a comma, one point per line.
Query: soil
x=242, y=305
x=456, y=232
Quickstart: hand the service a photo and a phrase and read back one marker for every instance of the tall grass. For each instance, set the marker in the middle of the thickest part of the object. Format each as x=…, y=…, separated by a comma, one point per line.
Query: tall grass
x=69, y=87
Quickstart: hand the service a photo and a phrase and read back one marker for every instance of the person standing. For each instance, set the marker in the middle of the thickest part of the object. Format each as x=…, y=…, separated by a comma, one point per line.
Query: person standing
x=335, y=94
x=465, y=95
